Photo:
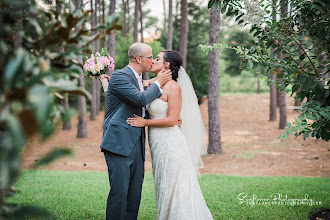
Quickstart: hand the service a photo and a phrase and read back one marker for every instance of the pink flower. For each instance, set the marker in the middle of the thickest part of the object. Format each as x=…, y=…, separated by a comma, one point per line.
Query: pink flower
x=96, y=63
x=103, y=60
x=111, y=59
x=87, y=67
x=91, y=62
x=111, y=67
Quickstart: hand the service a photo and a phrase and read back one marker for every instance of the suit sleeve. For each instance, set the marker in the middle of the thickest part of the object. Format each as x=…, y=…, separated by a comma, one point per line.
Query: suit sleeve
x=122, y=86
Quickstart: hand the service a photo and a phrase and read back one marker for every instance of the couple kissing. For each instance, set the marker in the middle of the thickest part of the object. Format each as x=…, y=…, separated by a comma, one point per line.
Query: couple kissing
x=175, y=148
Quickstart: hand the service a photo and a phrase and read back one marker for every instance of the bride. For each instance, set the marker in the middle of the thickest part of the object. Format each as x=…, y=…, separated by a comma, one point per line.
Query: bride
x=176, y=153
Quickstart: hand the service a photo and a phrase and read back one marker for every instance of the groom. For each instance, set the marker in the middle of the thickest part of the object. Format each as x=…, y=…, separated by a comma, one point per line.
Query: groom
x=123, y=145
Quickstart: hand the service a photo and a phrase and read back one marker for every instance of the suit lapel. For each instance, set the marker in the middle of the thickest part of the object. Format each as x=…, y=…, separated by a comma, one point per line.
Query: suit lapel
x=131, y=74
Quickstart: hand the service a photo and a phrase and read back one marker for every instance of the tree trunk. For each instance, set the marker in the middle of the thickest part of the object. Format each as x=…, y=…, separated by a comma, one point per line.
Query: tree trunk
x=94, y=99
x=103, y=22
x=273, y=97
x=145, y=75
x=98, y=11
x=111, y=45
x=66, y=123
x=272, y=86
x=126, y=22
x=301, y=64
x=322, y=66
x=258, y=83
x=297, y=100
x=97, y=49
x=98, y=96
x=277, y=95
x=215, y=145
x=123, y=32
x=81, y=102
x=177, y=7
x=65, y=103
x=93, y=81
x=280, y=56
x=164, y=14
x=58, y=7
x=282, y=93
x=82, y=112
x=183, y=32
x=112, y=37
x=18, y=37
x=136, y=20
x=59, y=12
x=282, y=100
x=169, y=40
x=141, y=20
x=97, y=20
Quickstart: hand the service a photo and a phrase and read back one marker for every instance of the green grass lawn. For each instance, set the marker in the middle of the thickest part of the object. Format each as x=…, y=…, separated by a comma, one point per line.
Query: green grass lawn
x=241, y=84
x=82, y=195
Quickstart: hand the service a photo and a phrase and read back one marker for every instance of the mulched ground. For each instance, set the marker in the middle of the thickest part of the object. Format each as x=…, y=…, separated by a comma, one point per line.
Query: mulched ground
x=249, y=143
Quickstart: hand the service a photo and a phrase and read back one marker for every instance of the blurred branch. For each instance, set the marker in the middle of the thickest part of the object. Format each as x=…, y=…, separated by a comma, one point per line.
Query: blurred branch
x=53, y=155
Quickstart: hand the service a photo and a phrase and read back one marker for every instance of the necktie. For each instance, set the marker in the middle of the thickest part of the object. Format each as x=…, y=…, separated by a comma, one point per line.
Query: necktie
x=140, y=83
x=139, y=79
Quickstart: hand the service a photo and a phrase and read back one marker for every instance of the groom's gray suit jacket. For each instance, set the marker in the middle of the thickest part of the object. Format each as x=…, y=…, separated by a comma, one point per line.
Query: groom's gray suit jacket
x=124, y=99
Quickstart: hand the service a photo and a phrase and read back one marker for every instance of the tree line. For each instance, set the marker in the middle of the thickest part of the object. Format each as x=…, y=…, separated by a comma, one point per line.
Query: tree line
x=292, y=44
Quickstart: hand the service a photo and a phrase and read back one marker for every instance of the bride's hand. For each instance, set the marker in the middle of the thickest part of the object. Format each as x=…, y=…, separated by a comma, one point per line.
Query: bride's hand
x=179, y=123
x=137, y=121
x=104, y=76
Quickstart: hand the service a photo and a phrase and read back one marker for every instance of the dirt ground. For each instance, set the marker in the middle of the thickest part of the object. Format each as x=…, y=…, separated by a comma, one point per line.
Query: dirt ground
x=249, y=143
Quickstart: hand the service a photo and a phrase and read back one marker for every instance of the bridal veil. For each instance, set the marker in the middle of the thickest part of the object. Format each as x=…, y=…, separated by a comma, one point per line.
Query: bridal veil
x=192, y=124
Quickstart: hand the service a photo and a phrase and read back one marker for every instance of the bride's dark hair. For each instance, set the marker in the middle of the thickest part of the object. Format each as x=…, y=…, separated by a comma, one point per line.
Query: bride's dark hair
x=175, y=60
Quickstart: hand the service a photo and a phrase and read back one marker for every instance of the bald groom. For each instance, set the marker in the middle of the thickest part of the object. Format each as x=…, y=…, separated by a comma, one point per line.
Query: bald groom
x=123, y=145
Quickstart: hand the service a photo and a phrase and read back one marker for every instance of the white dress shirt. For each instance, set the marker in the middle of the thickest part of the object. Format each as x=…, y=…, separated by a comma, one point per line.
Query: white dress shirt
x=138, y=77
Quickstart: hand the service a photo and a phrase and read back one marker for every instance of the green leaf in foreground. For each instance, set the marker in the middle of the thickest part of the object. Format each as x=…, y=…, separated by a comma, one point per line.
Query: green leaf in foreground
x=55, y=154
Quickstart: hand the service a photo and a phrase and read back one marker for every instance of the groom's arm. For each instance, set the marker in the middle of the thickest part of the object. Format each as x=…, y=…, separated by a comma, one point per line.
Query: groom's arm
x=122, y=86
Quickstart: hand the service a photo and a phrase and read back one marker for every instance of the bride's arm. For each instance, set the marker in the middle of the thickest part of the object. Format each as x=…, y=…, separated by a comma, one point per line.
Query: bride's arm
x=174, y=107
x=149, y=82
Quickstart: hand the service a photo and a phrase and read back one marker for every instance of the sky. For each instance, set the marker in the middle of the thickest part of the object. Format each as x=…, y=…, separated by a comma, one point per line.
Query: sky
x=157, y=8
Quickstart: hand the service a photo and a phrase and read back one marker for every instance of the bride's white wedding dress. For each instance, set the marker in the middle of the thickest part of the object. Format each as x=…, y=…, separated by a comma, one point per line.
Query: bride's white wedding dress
x=178, y=193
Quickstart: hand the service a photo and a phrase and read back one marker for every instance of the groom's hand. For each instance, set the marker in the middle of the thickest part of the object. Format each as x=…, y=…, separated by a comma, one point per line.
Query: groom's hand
x=137, y=121
x=164, y=76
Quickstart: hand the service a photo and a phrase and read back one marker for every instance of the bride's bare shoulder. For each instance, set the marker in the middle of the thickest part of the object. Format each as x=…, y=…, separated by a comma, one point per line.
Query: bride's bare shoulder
x=172, y=85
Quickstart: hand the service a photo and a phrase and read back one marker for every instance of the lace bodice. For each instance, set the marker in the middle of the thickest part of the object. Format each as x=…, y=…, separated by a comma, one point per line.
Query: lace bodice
x=158, y=109
x=178, y=194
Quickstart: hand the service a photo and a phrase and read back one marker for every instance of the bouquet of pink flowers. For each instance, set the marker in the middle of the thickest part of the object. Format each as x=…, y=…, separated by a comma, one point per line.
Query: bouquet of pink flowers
x=99, y=64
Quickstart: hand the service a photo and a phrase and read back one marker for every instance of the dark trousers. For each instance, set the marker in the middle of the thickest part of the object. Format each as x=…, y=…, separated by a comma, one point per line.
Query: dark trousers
x=126, y=177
